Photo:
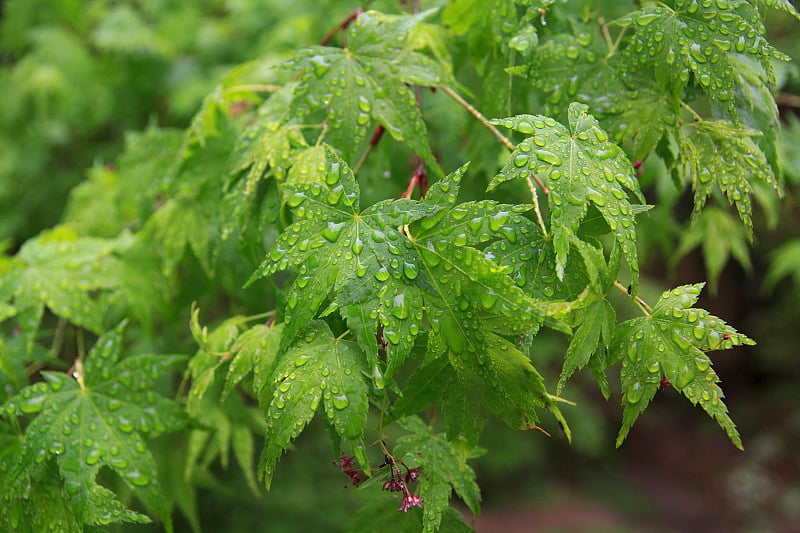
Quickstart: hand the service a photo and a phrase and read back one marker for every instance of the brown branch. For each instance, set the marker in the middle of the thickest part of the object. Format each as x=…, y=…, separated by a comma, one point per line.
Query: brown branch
x=341, y=26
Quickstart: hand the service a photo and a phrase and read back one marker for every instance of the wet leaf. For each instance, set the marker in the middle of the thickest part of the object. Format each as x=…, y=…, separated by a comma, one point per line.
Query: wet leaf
x=674, y=342
x=579, y=166
x=96, y=420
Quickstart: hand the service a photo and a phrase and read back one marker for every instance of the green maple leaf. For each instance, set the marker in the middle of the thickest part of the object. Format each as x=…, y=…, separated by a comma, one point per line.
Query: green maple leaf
x=269, y=142
x=366, y=81
x=719, y=154
x=62, y=272
x=469, y=299
x=566, y=67
x=579, y=166
x=358, y=256
x=95, y=420
x=674, y=341
x=781, y=5
x=639, y=111
x=784, y=263
x=756, y=106
x=698, y=38
x=720, y=236
x=443, y=469
x=317, y=368
x=251, y=350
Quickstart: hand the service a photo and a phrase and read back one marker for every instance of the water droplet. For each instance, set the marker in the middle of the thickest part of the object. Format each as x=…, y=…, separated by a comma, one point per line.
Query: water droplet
x=136, y=478
x=548, y=157
x=340, y=401
x=411, y=270
x=646, y=18
x=488, y=299
x=333, y=230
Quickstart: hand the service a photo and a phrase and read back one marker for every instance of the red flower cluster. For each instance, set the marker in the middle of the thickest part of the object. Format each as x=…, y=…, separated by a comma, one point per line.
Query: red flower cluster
x=399, y=483
x=409, y=501
x=346, y=467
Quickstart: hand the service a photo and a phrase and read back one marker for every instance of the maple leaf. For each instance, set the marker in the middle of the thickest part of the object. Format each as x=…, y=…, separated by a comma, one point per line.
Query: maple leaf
x=698, y=38
x=720, y=236
x=784, y=263
x=640, y=111
x=62, y=272
x=333, y=245
x=318, y=367
x=781, y=5
x=579, y=166
x=366, y=81
x=94, y=420
x=720, y=154
x=756, y=107
x=566, y=68
x=442, y=470
x=247, y=350
x=674, y=341
x=269, y=142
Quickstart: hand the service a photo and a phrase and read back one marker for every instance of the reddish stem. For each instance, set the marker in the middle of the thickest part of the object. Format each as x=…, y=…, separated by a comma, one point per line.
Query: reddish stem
x=418, y=179
x=341, y=26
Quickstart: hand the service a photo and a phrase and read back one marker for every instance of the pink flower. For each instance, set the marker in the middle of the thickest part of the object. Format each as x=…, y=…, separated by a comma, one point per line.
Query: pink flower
x=409, y=501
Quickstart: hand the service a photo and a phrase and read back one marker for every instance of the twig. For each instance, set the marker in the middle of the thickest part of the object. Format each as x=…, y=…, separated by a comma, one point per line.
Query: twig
x=373, y=142
x=478, y=115
x=58, y=338
x=536, y=208
x=418, y=179
x=646, y=309
x=606, y=35
x=341, y=26
x=257, y=87
x=788, y=99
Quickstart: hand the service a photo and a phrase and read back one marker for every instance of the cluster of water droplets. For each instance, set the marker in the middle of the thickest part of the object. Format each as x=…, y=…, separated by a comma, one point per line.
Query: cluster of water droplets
x=533, y=268
x=579, y=166
x=561, y=65
x=730, y=163
x=696, y=38
x=473, y=223
x=317, y=368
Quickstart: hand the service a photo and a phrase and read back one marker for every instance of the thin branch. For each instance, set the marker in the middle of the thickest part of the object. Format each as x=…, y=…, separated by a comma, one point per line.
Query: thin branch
x=606, y=34
x=618, y=41
x=691, y=110
x=58, y=338
x=478, y=115
x=341, y=26
x=536, y=208
x=373, y=142
x=788, y=99
x=254, y=87
x=646, y=309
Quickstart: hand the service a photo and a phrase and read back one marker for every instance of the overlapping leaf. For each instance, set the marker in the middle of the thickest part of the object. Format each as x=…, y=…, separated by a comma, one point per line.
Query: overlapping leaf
x=698, y=38
x=640, y=111
x=720, y=236
x=442, y=470
x=672, y=342
x=567, y=66
x=366, y=81
x=268, y=143
x=719, y=154
x=317, y=368
x=333, y=245
x=62, y=272
x=95, y=420
x=579, y=166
